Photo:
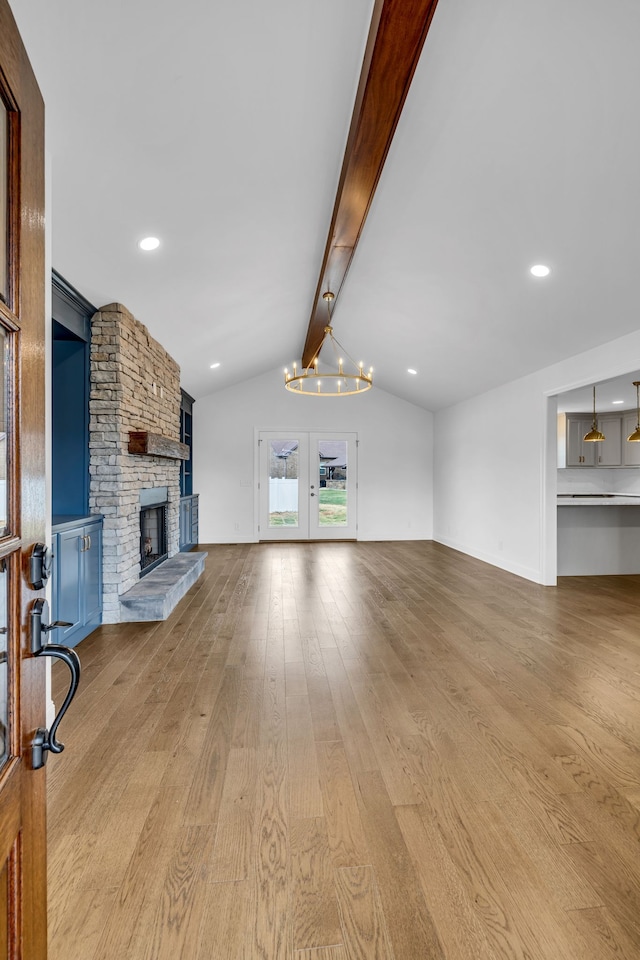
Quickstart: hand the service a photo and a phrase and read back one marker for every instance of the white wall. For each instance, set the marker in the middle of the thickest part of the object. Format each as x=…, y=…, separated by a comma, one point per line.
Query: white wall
x=495, y=463
x=395, y=464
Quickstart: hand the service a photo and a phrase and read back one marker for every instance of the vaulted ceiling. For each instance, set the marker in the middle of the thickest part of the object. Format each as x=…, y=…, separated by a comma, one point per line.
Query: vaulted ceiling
x=220, y=128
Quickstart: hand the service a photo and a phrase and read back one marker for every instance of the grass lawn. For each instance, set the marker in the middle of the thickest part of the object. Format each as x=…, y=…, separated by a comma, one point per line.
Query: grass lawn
x=332, y=511
x=287, y=518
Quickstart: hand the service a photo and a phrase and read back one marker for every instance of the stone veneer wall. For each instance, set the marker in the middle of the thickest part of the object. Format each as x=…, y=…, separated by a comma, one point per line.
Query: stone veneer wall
x=135, y=385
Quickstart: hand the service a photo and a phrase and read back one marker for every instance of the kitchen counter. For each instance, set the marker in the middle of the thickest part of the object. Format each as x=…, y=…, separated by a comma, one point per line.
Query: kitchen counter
x=601, y=538
x=598, y=500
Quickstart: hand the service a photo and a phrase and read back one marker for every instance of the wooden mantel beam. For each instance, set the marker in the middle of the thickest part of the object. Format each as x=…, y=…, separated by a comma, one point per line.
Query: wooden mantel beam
x=146, y=444
x=396, y=37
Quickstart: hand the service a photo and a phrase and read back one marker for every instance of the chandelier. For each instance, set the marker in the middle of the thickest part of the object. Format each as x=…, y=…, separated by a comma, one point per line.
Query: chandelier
x=345, y=378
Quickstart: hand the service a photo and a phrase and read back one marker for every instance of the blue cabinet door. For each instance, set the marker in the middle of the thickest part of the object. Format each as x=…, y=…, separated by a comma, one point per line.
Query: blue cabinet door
x=69, y=563
x=92, y=573
x=185, y=523
x=188, y=522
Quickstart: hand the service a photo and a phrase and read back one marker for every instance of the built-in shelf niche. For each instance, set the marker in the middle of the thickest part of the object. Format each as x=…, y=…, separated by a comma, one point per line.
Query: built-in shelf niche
x=71, y=335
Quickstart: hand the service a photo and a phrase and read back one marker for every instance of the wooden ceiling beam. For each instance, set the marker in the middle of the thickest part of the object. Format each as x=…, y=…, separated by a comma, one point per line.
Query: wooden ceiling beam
x=396, y=37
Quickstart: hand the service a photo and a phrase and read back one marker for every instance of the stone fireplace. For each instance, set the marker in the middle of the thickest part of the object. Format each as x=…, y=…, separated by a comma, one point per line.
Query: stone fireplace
x=135, y=386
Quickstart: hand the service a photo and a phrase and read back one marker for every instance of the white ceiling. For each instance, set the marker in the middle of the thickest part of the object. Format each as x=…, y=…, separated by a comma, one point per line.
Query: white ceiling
x=220, y=128
x=609, y=393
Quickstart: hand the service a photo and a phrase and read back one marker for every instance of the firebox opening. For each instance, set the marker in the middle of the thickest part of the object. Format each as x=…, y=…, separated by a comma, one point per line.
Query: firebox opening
x=153, y=536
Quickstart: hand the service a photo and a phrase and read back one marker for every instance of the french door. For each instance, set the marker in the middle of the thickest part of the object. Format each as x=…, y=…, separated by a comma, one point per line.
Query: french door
x=308, y=486
x=23, y=900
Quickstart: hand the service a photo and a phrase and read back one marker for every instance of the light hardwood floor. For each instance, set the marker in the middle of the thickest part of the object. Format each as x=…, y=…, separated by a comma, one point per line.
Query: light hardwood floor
x=351, y=751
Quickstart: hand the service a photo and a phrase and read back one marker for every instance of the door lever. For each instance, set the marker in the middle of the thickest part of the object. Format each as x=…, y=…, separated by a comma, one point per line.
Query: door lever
x=46, y=739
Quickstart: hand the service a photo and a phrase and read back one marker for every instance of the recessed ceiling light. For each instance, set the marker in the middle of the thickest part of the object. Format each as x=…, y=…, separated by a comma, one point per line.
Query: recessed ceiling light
x=214, y=366
x=411, y=370
x=617, y=401
x=539, y=270
x=149, y=243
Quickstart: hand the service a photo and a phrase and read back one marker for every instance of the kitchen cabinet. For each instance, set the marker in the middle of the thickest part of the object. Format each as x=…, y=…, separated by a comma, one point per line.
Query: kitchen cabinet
x=598, y=540
x=610, y=452
x=579, y=453
x=77, y=578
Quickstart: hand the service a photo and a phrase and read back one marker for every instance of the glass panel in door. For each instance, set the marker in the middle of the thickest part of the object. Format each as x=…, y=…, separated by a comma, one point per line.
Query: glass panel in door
x=332, y=483
x=333, y=473
x=283, y=483
x=284, y=505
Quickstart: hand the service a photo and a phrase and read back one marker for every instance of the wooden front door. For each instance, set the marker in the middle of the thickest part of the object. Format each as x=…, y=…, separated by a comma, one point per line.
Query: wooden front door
x=22, y=497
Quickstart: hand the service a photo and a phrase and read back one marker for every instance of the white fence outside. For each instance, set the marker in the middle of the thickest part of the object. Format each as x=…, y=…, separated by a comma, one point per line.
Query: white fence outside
x=283, y=495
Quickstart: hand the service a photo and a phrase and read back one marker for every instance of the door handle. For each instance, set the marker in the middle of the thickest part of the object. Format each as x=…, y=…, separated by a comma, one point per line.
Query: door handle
x=46, y=739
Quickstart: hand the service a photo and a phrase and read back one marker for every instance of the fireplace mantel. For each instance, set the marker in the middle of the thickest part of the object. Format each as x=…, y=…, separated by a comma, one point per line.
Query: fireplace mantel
x=146, y=444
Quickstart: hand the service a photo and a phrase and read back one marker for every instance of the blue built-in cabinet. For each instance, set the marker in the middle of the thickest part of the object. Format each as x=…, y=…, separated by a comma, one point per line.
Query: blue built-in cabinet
x=76, y=590
x=188, y=499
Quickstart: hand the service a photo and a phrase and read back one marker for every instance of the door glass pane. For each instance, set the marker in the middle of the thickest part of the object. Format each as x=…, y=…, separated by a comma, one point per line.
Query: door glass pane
x=4, y=181
x=4, y=672
x=332, y=483
x=283, y=483
x=4, y=383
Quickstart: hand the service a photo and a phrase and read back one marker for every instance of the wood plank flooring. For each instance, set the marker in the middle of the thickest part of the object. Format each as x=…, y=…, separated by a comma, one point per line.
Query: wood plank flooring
x=341, y=751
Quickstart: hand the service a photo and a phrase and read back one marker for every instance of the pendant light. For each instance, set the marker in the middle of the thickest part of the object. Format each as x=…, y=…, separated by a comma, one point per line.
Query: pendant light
x=594, y=435
x=635, y=436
